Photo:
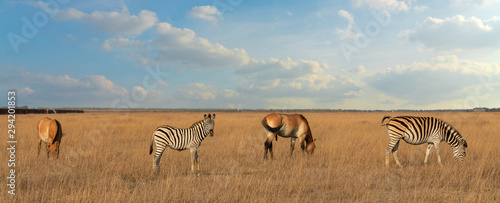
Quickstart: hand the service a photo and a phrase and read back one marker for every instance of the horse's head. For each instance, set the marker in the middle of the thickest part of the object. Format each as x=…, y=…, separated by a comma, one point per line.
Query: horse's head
x=53, y=150
x=209, y=123
x=310, y=146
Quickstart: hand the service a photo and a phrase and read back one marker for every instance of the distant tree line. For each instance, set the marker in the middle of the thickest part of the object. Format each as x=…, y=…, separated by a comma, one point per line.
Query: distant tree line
x=40, y=111
x=26, y=110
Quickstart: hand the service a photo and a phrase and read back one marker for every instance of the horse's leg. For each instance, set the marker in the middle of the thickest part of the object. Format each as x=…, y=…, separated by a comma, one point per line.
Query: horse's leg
x=47, y=149
x=292, y=145
x=39, y=146
x=268, y=145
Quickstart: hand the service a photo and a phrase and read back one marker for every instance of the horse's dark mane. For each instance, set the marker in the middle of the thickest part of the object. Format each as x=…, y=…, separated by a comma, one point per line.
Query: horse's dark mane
x=308, y=138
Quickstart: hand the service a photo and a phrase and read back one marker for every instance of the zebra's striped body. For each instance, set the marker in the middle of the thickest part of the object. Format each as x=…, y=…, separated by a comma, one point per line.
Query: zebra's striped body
x=181, y=139
x=420, y=130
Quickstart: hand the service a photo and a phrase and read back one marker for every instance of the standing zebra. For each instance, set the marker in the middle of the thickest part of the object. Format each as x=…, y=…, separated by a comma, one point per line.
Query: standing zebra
x=181, y=139
x=420, y=130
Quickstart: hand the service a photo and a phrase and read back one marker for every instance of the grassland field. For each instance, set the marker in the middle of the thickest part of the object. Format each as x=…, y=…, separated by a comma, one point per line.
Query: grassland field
x=104, y=157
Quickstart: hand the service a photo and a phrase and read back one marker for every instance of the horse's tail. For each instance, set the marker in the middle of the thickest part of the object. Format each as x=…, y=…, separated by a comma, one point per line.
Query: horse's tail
x=383, y=119
x=59, y=133
x=271, y=129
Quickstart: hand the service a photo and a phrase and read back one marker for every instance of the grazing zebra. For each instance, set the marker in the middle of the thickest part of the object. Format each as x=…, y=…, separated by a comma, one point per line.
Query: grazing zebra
x=420, y=130
x=294, y=126
x=181, y=139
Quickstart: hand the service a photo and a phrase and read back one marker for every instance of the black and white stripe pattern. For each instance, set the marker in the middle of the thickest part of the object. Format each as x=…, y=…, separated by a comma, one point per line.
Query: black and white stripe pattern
x=420, y=130
x=181, y=139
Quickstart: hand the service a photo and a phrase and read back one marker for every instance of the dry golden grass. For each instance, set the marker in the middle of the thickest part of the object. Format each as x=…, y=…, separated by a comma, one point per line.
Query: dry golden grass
x=104, y=157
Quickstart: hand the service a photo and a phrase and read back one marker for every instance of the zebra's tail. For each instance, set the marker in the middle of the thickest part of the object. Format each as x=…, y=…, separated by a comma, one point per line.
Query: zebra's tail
x=383, y=119
x=270, y=129
x=151, y=145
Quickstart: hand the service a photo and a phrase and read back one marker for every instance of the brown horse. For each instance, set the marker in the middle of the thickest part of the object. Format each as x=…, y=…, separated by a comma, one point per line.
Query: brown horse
x=294, y=126
x=50, y=133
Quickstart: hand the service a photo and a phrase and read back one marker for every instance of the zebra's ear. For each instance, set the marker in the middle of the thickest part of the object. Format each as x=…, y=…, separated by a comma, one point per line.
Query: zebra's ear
x=213, y=116
x=205, y=116
x=465, y=144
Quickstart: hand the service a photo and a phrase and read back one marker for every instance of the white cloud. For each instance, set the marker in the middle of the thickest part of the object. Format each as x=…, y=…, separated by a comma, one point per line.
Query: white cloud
x=274, y=79
x=208, y=13
x=348, y=32
x=464, y=3
x=455, y=33
x=384, y=4
x=445, y=78
x=229, y=93
x=121, y=43
x=345, y=14
x=182, y=45
x=197, y=91
x=303, y=73
x=62, y=90
x=420, y=8
x=26, y=91
x=113, y=22
x=199, y=95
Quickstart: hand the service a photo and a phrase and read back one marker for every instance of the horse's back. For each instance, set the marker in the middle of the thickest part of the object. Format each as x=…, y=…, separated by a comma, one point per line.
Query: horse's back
x=295, y=125
x=274, y=120
x=47, y=129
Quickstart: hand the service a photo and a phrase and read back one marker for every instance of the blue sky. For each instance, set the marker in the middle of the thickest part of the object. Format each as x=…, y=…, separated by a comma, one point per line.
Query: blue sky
x=357, y=54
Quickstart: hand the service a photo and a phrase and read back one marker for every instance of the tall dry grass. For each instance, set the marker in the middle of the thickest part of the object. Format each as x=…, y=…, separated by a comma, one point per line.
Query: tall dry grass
x=104, y=157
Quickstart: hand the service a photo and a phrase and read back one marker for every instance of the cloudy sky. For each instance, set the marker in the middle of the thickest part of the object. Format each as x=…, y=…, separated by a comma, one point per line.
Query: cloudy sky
x=356, y=54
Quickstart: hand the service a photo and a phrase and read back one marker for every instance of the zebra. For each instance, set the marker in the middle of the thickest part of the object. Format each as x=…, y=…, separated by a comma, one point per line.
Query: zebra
x=420, y=130
x=181, y=139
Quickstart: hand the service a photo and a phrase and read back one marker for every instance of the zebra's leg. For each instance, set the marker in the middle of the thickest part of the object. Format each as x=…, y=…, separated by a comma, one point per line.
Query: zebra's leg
x=437, y=153
x=156, y=160
x=197, y=160
x=292, y=145
x=194, y=160
x=429, y=147
x=393, y=142
x=395, y=154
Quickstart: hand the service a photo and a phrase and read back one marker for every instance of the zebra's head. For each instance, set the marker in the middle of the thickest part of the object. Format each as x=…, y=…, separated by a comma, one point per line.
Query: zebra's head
x=209, y=123
x=459, y=152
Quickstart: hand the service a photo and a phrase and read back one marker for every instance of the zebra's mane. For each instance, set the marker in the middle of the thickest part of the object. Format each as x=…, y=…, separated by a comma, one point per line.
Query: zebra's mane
x=453, y=131
x=196, y=123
